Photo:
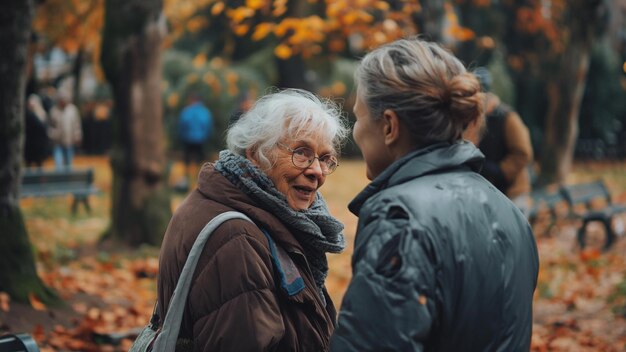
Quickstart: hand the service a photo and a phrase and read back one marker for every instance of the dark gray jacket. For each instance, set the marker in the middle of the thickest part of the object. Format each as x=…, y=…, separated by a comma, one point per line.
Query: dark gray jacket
x=442, y=261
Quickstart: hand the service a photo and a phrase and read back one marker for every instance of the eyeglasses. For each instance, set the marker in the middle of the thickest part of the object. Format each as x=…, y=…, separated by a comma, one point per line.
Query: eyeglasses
x=303, y=157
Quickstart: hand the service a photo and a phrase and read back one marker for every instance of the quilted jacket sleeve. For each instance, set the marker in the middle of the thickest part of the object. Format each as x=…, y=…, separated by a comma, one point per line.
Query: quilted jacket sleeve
x=234, y=301
x=389, y=304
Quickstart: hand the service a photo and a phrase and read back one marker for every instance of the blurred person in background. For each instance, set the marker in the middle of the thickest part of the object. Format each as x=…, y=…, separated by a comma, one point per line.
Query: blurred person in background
x=261, y=286
x=505, y=141
x=442, y=260
x=36, y=141
x=195, y=126
x=65, y=131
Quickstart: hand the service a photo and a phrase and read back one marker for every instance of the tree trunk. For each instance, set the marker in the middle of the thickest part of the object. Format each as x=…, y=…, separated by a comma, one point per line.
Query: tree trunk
x=292, y=73
x=18, y=276
x=431, y=19
x=565, y=93
x=131, y=58
x=77, y=70
x=585, y=21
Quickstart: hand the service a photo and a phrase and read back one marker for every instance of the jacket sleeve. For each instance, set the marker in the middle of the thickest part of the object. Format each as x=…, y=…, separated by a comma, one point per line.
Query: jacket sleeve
x=389, y=304
x=77, y=129
x=519, y=147
x=235, y=295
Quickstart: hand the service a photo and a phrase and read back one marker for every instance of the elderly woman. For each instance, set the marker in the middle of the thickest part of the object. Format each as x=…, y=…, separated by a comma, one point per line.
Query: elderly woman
x=442, y=261
x=279, y=154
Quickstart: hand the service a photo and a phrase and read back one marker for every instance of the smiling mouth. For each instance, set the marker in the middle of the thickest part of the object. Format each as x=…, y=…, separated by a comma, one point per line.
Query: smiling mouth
x=304, y=191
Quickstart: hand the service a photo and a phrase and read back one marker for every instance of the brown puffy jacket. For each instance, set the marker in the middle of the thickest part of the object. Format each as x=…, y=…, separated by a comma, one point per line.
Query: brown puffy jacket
x=236, y=302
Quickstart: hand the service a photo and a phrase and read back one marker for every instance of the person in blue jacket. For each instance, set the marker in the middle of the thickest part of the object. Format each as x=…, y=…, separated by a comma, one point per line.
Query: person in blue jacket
x=442, y=260
x=195, y=126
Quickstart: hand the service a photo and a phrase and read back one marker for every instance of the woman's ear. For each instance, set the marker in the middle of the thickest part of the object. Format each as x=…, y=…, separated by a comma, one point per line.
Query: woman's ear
x=391, y=127
x=252, y=156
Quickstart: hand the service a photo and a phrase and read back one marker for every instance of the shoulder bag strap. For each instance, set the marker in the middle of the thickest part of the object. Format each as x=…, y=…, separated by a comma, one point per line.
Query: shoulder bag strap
x=166, y=341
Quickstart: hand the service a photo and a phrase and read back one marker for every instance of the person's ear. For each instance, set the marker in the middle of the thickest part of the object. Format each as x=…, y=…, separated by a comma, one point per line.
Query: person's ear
x=391, y=127
x=251, y=155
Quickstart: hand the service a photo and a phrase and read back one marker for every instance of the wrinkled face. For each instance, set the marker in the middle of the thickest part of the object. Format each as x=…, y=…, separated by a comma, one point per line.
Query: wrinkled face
x=368, y=135
x=297, y=184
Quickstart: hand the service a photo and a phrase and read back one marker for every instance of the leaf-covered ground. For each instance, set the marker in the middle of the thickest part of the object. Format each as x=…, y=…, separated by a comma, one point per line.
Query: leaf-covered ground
x=580, y=301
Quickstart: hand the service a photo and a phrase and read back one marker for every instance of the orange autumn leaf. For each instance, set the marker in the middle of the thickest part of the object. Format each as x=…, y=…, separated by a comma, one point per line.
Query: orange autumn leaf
x=282, y=51
x=589, y=254
x=382, y=5
x=199, y=60
x=35, y=302
x=255, y=4
x=217, y=8
x=262, y=30
x=196, y=24
x=241, y=29
x=239, y=14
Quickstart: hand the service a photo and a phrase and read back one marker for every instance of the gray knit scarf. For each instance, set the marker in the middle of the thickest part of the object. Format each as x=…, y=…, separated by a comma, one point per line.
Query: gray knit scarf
x=316, y=230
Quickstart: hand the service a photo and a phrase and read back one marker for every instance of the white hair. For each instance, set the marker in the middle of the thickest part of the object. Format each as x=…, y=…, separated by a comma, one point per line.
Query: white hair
x=287, y=114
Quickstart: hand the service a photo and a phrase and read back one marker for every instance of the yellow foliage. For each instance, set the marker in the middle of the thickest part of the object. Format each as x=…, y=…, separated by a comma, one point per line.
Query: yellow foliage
x=333, y=9
x=212, y=81
x=241, y=29
x=282, y=51
x=186, y=9
x=199, y=60
x=486, y=42
x=232, y=77
x=70, y=45
x=382, y=5
x=336, y=45
x=172, y=100
x=262, y=30
x=380, y=38
x=217, y=8
x=279, y=11
x=454, y=29
x=285, y=25
x=310, y=50
x=338, y=88
x=255, y=4
x=239, y=14
x=350, y=18
x=462, y=33
x=197, y=23
x=233, y=91
x=280, y=7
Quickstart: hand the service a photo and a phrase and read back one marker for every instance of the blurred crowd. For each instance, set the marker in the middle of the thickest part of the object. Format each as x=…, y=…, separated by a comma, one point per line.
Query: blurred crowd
x=55, y=127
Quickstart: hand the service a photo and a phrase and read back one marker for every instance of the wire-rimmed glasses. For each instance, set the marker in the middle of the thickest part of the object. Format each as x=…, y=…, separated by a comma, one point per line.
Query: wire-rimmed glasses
x=303, y=157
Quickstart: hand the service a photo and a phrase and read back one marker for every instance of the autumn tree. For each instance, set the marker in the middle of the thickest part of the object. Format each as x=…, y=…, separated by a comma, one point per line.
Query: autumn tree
x=131, y=59
x=549, y=46
x=74, y=26
x=18, y=276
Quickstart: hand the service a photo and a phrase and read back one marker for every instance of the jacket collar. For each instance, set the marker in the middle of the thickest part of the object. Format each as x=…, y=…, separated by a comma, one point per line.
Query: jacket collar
x=432, y=159
x=214, y=186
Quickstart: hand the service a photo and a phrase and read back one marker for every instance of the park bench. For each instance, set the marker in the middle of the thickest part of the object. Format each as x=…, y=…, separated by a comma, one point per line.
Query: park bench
x=53, y=183
x=595, y=199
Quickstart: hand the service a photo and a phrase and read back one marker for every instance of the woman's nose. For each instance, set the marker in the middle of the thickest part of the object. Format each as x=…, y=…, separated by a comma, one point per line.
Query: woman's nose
x=315, y=169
